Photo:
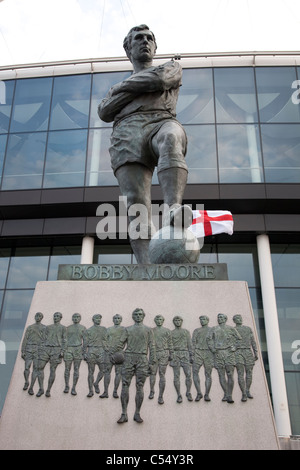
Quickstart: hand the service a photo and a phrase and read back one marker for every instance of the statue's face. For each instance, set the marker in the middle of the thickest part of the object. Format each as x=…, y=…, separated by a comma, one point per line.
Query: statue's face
x=57, y=317
x=221, y=318
x=177, y=321
x=138, y=316
x=117, y=319
x=238, y=319
x=159, y=320
x=97, y=319
x=38, y=317
x=76, y=318
x=203, y=321
x=142, y=46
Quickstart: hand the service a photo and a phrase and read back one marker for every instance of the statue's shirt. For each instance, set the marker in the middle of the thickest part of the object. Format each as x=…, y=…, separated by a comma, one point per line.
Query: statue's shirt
x=150, y=90
x=56, y=335
x=75, y=335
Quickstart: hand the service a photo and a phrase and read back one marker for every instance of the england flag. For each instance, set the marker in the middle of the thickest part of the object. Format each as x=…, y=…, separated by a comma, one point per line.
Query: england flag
x=207, y=223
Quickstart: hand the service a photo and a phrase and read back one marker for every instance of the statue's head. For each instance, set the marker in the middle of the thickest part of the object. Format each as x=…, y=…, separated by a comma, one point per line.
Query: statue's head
x=76, y=318
x=177, y=320
x=133, y=33
x=138, y=315
x=97, y=319
x=117, y=319
x=159, y=319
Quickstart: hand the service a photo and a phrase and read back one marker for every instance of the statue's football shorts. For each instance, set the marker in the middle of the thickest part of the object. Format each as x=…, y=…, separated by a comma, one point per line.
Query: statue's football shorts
x=131, y=142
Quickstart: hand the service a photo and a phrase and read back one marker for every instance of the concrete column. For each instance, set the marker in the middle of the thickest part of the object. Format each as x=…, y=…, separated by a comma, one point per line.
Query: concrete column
x=279, y=395
x=87, y=250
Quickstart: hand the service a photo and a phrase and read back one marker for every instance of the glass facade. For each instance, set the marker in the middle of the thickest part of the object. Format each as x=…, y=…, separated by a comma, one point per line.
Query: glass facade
x=243, y=126
x=20, y=270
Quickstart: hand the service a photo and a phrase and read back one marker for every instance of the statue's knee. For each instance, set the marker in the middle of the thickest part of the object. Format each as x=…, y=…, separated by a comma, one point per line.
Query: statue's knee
x=171, y=137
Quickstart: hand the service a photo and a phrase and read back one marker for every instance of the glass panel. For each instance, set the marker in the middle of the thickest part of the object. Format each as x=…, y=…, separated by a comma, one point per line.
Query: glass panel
x=274, y=88
x=102, y=82
x=6, y=96
x=195, y=102
x=3, y=139
x=201, y=154
x=242, y=263
x=288, y=308
x=99, y=172
x=292, y=380
x=65, y=160
x=71, y=102
x=257, y=307
x=31, y=105
x=208, y=253
x=286, y=265
x=113, y=254
x=27, y=267
x=235, y=95
x=13, y=318
x=239, y=154
x=281, y=147
x=63, y=255
x=24, y=162
x=4, y=262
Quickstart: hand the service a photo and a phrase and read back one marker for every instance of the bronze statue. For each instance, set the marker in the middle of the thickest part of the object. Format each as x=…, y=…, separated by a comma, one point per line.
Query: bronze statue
x=164, y=354
x=222, y=343
x=245, y=356
x=139, y=345
x=202, y=357
x=52, y=351
x=74, y=352
x=94, y=344
x=33, y=338
x=146, y=134
x=183, y=357
x=115, y=340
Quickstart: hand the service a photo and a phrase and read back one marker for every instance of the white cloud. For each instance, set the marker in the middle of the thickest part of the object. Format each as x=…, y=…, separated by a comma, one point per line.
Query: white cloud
x=49, y=30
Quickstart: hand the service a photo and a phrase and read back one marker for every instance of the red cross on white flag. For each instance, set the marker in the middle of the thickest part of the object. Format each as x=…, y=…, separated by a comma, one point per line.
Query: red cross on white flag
x=211, y=223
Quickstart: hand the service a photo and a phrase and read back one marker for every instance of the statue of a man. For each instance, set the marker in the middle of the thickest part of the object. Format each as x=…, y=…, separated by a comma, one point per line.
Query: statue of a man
x=74, y=352
x=140, y=356
x=245, y=356
x=52, y=351
x=94, y=345
x=146, y=134
x=164, y=354
x=183, y=357
x=115, y=340
x=31, y=344
x=202, y=357
x=222, y=342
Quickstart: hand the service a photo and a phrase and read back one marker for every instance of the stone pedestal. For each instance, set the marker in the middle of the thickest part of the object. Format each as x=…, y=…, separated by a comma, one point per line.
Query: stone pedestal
x=70, y=422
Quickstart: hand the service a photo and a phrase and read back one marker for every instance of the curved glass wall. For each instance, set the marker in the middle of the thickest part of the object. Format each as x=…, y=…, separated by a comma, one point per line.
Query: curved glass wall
x=243, y=126
x=22, y=267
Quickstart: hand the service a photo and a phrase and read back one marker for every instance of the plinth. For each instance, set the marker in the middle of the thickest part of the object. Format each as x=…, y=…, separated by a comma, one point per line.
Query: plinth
x=71, y=422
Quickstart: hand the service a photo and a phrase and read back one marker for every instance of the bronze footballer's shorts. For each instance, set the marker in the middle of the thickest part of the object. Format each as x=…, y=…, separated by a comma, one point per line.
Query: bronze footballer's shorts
x=203, y=357
x=224, y=357
x=96, y=354
x=244, y=356
x=131, y=142
x=51, y=354
x=135, y=364
x=180, y=358
x=73, y=353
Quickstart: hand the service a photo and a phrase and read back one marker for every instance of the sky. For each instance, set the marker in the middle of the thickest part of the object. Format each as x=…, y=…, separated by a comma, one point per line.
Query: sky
x=35, y=31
